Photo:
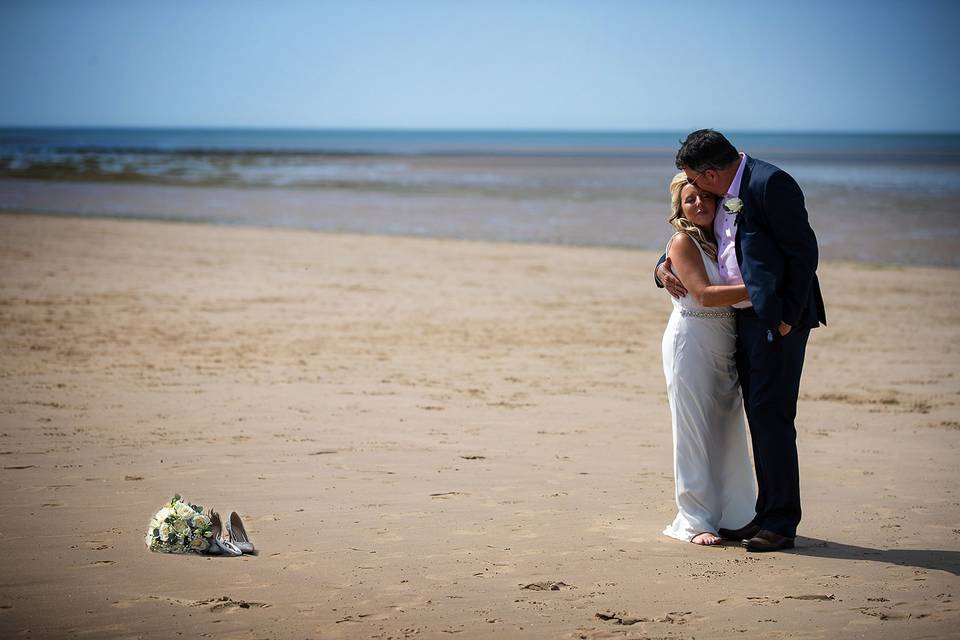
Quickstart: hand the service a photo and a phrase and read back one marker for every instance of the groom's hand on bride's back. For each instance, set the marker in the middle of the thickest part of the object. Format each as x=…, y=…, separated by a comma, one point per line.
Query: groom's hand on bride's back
x=669, y=281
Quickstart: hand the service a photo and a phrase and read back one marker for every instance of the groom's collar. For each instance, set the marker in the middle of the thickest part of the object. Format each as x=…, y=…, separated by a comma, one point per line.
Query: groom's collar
x=733, y=191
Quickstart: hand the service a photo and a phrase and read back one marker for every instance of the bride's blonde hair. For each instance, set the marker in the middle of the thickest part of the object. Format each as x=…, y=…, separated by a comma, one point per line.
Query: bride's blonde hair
x=681, y=224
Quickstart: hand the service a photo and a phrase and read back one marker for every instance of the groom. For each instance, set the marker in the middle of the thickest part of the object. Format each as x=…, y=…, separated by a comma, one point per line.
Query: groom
x=765, y=242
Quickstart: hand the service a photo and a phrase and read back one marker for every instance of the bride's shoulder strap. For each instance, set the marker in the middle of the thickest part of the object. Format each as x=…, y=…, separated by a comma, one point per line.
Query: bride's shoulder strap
x=670, y=241
x=678, y=234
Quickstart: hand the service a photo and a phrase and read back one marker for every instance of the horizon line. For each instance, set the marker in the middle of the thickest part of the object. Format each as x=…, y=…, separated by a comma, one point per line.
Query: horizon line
x=142, y=127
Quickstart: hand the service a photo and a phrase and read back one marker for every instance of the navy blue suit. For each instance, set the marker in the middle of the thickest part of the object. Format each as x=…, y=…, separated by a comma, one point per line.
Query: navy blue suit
x=777, y=250
x=777, y=254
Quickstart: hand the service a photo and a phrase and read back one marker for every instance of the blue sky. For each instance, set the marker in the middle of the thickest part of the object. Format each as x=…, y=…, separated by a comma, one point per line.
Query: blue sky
x=774, y=65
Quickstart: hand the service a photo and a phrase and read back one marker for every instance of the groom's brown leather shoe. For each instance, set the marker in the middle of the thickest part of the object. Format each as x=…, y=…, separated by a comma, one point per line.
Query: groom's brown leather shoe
x=768, y=541
x=743, y=533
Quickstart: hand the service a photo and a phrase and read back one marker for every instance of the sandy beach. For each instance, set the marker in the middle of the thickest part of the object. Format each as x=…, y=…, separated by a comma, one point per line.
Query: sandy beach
x=431, y=438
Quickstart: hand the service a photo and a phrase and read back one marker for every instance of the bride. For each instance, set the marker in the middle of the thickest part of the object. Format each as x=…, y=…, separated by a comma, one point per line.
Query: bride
x=711, y=463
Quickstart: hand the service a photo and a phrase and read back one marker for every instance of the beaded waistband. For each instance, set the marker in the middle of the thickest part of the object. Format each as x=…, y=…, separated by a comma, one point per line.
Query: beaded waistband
x=706, y=314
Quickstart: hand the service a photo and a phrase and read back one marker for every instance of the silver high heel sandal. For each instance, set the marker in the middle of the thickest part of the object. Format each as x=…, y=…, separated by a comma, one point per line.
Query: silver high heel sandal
x=219, y=545
x=238, y=534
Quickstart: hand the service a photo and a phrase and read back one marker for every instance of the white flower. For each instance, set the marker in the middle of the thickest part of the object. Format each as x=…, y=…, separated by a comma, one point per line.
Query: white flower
x=733, y=205
x=164, y=513
x=184, y=510
x=165, y=530
x=200, y=521
x=199, y=544
x=182, y=530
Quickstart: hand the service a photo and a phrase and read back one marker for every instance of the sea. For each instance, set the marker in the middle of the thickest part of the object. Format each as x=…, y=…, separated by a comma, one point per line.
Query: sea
x=884, y=198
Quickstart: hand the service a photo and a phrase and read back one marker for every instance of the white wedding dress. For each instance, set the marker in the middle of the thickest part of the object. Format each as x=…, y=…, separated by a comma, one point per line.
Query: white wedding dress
x=711, y=463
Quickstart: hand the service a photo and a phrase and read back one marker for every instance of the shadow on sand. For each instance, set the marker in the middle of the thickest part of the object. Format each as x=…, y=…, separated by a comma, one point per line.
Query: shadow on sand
x=938, y=559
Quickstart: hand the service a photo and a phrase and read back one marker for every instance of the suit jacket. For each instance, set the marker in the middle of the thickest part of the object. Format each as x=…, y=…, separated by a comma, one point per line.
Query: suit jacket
x=776, y=248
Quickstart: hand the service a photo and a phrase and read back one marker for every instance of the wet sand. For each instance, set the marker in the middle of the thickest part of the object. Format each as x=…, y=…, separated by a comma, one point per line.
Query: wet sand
x=860, y=213
x=431, y=437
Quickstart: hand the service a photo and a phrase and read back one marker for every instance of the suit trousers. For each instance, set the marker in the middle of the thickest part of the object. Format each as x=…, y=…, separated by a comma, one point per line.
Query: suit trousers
x=769, y=366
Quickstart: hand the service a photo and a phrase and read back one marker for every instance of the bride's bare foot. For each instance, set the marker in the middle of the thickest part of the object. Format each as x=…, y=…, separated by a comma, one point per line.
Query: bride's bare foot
x=706, y=539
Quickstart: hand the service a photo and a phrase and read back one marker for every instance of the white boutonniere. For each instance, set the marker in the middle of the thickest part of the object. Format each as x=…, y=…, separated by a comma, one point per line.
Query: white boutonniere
x=733, y=205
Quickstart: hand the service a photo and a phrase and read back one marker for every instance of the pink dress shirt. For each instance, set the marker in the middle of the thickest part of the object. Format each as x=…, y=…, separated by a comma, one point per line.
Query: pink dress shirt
x=725, y=229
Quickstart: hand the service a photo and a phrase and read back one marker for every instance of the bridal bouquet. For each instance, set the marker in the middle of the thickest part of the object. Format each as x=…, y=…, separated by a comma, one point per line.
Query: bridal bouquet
x=179, y=527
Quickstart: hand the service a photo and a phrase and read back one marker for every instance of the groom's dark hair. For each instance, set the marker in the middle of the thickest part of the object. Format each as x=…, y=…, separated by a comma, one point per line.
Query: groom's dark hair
x=706, y=149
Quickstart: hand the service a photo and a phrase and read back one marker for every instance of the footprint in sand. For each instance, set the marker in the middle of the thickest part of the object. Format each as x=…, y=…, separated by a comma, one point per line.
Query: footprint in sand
x=547, y=585
x=886, y=614
x=222, y=603
x=447, y=494
x=352, y=618
x=674, y=617
x=101, y=563
x=620, y=618
x=226, y=603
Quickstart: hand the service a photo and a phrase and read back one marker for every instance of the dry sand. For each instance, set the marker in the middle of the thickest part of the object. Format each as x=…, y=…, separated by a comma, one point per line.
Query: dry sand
x=433, y=437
